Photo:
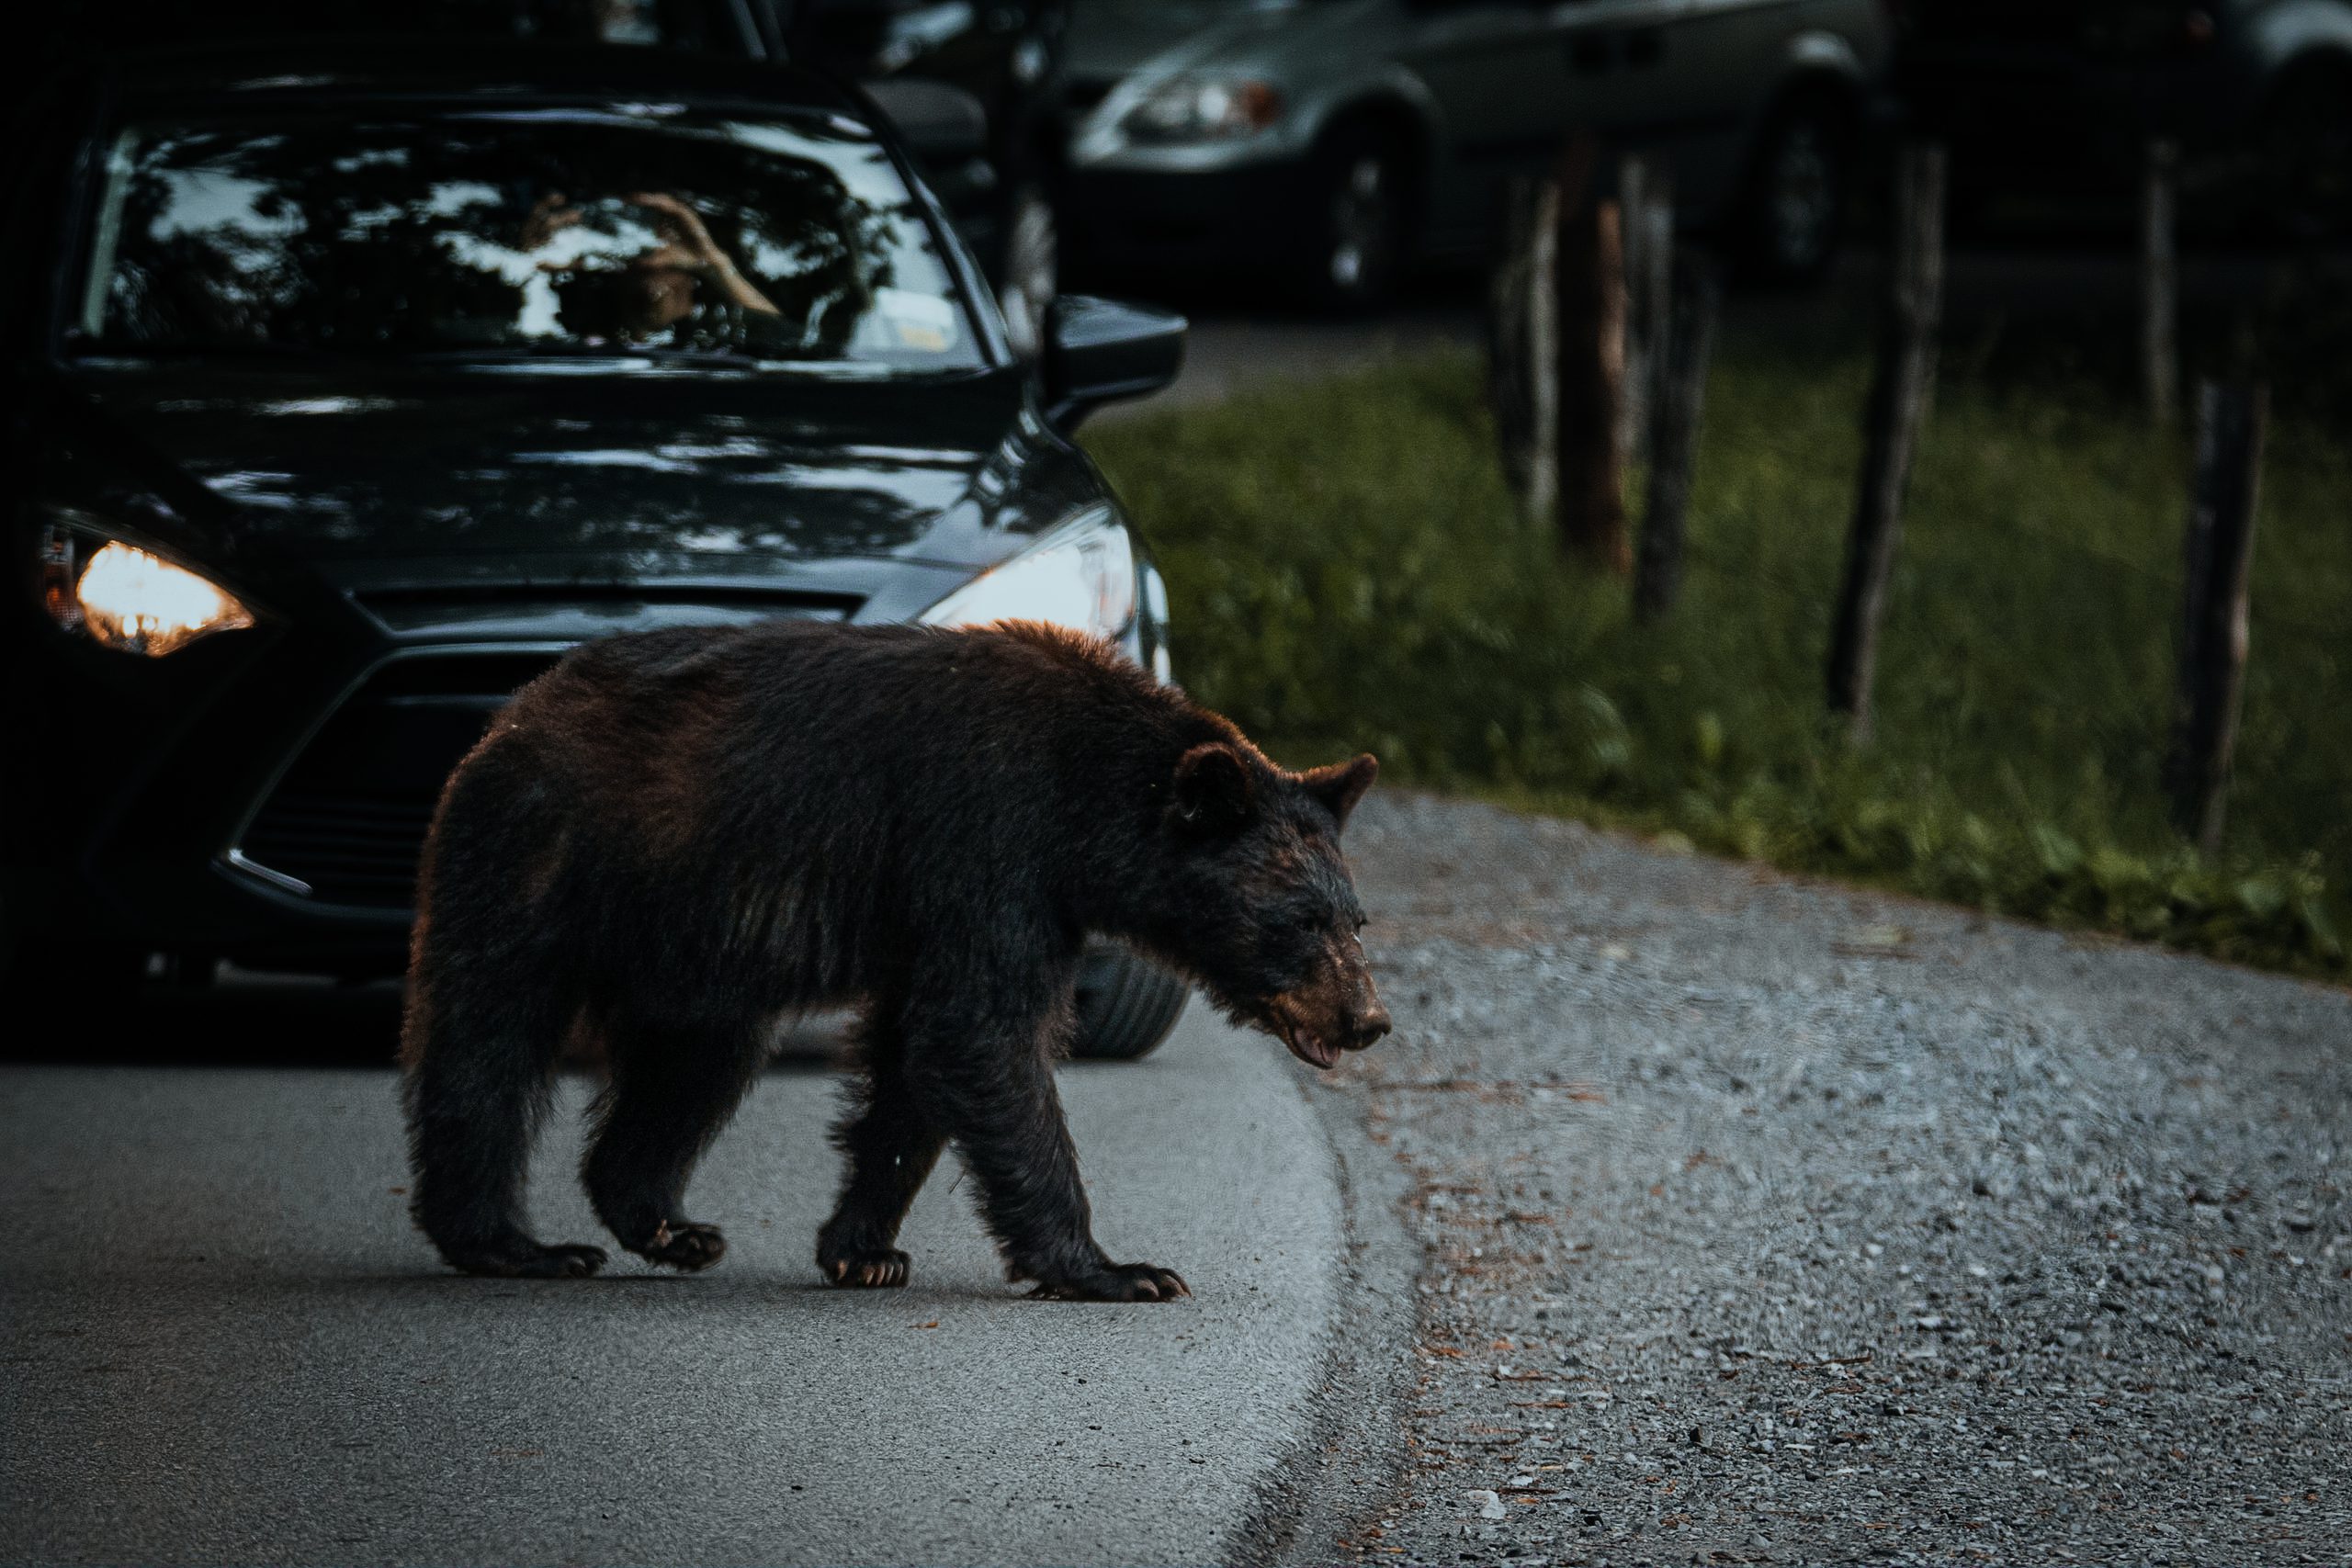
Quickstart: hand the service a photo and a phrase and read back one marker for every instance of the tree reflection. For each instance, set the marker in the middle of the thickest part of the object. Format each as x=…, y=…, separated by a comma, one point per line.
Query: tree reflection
x=579, y=234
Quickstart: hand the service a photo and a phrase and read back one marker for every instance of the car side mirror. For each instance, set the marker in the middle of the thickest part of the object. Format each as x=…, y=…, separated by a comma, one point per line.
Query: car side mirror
x=1100, y=351
x=943, y=127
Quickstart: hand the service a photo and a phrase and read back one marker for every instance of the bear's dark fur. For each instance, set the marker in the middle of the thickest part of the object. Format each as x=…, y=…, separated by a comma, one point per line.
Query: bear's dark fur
x=671, y=839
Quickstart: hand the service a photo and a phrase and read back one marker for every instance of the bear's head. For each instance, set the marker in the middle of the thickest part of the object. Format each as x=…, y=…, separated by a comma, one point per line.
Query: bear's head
x=1265, y=913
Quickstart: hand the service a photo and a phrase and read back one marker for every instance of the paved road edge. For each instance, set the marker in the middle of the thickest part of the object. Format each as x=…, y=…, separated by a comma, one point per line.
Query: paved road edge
x=1341, y=1472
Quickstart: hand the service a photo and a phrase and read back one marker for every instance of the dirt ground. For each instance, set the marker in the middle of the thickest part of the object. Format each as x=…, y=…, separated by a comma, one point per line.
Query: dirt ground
x=1773, y=1221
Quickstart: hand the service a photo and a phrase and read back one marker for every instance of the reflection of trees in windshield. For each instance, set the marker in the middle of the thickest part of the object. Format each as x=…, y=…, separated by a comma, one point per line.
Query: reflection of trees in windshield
x=579, y=236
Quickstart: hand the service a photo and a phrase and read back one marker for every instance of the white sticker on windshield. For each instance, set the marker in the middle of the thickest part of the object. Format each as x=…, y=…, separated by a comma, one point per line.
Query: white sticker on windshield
x=922, y=321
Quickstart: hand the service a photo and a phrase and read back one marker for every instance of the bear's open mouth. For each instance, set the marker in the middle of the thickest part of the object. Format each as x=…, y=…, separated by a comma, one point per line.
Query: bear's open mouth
x=1304, y=1043
x=1311, y=1048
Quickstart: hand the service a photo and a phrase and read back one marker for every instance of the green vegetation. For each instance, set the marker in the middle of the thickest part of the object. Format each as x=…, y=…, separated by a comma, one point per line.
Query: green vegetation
x=1347, y=574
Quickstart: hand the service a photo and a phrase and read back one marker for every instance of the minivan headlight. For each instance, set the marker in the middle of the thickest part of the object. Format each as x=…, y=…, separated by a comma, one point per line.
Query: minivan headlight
x=1204, y=109
x=1081, y=575
x=130, y=599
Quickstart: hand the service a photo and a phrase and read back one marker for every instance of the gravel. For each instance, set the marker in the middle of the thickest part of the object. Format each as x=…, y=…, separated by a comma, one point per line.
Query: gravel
x=1773, y=1221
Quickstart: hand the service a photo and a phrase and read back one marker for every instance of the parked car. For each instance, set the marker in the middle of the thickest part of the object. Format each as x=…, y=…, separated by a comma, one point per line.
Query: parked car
x=353, y=388
x=2037, y=98
x=1342, y=139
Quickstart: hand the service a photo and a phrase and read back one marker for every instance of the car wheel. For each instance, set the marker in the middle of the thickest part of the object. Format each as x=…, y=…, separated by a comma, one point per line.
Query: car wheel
x=1356, y=236
x=2306, y=150
x=1798, y=187
x=1126, y=1006
x=1029, y=272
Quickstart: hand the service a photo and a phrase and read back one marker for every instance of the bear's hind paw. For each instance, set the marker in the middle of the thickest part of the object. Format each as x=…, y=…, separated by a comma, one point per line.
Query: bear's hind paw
x=1117, y=1282
x=685, y=1245
x=521, y=1258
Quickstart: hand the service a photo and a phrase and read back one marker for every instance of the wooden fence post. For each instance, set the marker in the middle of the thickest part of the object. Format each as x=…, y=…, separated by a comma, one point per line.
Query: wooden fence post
x=2160, y=280
x=1523, y=344
x=1592, y=378
x=1901, y=387
x=2230, y=421
x=1645, y=195
x=1685, y=347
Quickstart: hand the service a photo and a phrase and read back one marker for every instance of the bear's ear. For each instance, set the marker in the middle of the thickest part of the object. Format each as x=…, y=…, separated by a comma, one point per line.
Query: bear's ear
x=1342, y=784
x=1215, y=793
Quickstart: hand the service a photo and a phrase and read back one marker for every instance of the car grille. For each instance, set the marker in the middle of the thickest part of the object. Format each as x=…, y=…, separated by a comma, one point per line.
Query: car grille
x=349, y=847
x=348, y=819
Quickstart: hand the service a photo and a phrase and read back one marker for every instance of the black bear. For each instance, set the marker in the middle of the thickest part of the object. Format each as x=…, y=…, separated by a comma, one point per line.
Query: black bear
x=671, y=838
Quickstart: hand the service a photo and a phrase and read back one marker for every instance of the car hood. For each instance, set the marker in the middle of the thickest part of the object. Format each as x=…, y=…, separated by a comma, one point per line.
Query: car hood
x=464, y=467
x=1113, y=38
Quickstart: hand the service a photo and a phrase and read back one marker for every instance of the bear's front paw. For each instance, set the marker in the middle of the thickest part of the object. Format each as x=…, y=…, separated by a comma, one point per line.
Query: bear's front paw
x=1117, y=1282
x=868, y=1267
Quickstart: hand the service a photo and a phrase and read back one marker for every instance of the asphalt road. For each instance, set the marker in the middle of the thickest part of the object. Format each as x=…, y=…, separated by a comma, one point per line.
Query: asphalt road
x=225, y=1344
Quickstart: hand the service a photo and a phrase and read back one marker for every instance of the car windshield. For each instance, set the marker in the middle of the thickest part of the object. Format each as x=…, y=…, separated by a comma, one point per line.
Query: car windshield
x=518, y=233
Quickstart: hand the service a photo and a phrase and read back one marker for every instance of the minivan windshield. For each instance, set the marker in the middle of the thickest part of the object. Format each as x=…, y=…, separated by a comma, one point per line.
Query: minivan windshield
x=539, y=233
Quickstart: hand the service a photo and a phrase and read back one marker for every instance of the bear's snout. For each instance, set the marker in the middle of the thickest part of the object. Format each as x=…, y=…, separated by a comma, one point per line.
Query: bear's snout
x=1338, y=1011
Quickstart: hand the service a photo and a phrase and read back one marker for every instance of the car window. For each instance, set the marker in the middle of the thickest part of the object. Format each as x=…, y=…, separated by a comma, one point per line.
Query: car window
x=541, y=233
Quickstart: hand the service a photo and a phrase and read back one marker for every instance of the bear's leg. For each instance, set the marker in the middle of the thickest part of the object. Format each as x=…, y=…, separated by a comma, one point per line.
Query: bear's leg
x=480, y=1043
x=892, y=1147
x=991, y=1086
x=673, y=1087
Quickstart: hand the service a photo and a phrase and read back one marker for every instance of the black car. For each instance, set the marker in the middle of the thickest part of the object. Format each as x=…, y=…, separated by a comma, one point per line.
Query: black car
x=351, y=391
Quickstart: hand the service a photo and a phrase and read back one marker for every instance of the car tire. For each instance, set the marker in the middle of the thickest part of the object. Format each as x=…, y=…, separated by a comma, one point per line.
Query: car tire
x=1357, y=236
x=2305, y=142
x=1029, y=268
x=1126, y=1006
x=1792, y=215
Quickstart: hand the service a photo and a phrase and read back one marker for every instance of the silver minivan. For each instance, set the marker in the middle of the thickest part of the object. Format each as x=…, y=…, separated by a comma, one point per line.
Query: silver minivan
x=1342, y=139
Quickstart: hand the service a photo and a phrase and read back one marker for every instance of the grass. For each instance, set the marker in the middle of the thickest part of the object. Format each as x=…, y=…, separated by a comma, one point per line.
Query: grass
x=1348, y=573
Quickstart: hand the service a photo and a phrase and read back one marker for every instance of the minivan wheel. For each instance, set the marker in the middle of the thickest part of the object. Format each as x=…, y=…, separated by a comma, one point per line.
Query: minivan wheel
x=1356, y=235
x=1029, y=274
x=1126, y=1006
x=1798, y=187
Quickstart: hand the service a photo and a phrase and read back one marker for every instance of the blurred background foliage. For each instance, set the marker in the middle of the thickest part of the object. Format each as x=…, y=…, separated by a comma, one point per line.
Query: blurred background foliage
x=1349, y=573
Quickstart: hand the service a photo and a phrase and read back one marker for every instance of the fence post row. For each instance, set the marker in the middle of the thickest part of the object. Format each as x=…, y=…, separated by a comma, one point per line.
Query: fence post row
x=1901, y=387
x=2230, y=422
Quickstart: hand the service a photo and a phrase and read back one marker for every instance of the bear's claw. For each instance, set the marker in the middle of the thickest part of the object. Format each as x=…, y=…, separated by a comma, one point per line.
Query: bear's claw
x=877, y=1268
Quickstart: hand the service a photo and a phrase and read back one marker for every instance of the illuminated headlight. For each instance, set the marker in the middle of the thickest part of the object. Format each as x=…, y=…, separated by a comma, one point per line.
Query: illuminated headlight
x=129, y=599
x=1196, y=108
x=1081, y=575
